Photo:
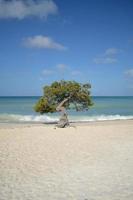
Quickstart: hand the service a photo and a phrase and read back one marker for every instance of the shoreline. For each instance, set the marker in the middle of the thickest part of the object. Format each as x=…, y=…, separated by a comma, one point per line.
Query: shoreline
x=53, y=124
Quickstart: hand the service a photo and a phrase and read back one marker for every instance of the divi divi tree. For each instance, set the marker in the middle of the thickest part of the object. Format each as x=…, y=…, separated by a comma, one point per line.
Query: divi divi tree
x=64, y=95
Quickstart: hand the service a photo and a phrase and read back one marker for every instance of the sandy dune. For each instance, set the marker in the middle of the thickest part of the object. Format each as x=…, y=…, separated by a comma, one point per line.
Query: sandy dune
x=89, y=162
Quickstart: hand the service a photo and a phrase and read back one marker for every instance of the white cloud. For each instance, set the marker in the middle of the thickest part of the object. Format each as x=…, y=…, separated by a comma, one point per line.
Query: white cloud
x=108, y=57
x=130, y=41
x=129, y=73
x=62, y=67
x=112, y=51
x=41, y=41
x=105, y=60
x=76, y=73
x=130, y=86
x=20, y=9
x=47, y=72
x=60, y=70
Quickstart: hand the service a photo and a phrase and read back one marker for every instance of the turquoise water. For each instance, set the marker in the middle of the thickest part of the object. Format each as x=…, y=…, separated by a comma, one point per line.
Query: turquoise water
x=20, y=110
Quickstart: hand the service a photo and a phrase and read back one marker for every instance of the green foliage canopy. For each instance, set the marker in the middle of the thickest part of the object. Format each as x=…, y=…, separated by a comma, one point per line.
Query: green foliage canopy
x=78, y=94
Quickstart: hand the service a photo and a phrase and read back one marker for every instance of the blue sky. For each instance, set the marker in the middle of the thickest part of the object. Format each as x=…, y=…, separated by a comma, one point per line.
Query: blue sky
x=88, y=41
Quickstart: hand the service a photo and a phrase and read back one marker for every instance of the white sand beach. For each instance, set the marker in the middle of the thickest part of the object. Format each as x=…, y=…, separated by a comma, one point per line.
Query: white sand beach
x=92, y=161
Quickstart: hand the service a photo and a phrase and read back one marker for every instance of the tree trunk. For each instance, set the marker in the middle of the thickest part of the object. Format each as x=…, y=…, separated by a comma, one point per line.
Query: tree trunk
x=63, y=121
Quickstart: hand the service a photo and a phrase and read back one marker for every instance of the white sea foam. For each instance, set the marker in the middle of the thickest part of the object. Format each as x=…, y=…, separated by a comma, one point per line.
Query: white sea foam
x=103, y=118
x=53, y=119
x=27, y=118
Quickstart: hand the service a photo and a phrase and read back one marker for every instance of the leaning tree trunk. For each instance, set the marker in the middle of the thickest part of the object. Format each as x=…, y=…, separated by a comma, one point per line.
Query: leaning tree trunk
x=63, y=121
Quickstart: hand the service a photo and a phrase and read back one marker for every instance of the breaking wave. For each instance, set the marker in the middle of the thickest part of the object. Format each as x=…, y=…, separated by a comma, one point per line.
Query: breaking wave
x=26, y=118
x=14, y=118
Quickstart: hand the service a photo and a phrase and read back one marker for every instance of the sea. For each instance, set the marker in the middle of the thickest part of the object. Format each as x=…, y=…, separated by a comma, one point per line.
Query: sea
x=21, y=110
